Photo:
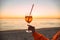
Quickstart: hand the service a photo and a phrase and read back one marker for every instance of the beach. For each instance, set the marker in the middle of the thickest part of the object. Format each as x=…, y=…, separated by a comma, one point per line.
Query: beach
x=23, y=35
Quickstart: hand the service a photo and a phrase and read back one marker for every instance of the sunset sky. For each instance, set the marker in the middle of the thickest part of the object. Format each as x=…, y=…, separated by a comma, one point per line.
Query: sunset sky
x=19, y=8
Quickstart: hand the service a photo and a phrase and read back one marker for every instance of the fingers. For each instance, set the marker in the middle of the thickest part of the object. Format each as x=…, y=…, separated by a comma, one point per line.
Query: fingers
x=32, y=28
x=29, y=25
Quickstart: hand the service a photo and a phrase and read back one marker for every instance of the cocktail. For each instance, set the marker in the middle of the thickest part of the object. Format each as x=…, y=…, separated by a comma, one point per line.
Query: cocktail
x=29, y=18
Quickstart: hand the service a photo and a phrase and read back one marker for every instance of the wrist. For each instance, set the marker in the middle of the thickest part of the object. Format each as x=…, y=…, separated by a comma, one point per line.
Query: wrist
x=33, y=31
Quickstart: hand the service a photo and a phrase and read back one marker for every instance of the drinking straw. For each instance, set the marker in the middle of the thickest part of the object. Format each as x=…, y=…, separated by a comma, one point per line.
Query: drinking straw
x=31, y=9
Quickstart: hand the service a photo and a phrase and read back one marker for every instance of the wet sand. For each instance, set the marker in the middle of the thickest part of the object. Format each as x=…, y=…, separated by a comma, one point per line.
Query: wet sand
x=22, y=35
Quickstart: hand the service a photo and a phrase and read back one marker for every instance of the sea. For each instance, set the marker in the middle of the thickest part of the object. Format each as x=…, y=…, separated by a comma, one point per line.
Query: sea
x=21, y=24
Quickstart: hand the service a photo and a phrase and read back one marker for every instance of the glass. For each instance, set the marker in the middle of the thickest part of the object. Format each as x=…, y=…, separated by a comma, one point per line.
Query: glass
x=29, y=18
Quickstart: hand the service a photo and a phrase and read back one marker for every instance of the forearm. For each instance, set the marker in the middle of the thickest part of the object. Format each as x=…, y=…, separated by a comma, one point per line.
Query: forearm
x=38, y=36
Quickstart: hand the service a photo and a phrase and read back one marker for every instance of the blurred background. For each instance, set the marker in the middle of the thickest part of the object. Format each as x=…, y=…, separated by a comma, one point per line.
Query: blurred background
x=46, y=18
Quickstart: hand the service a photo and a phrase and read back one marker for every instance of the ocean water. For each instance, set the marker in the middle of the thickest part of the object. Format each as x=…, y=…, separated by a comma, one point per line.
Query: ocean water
x=20, y=24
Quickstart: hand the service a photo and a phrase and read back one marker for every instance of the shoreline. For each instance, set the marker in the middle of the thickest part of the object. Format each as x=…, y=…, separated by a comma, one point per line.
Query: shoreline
x=26, y=29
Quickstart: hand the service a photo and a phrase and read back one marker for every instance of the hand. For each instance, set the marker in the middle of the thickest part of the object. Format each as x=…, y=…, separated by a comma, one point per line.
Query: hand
x=32, y=28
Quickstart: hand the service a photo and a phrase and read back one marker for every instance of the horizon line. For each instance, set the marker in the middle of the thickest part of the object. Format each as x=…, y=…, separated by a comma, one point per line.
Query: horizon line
x=34, y=18
x=21, y=17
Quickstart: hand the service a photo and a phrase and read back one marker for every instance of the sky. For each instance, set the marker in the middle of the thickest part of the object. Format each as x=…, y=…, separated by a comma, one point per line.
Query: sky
x=20, y=8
